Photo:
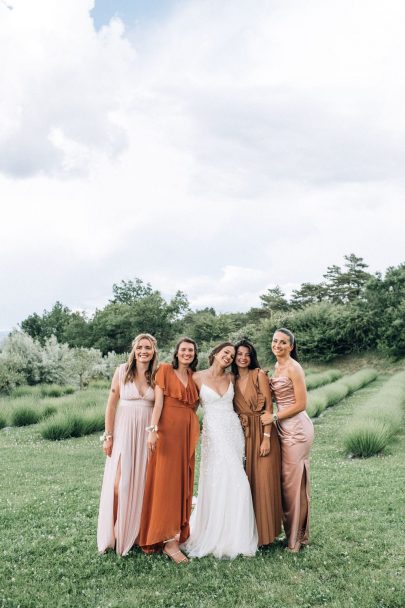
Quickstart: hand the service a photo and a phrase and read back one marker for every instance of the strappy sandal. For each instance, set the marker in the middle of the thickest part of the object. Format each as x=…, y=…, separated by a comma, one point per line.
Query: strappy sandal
x=183, y=560
x=171, y=556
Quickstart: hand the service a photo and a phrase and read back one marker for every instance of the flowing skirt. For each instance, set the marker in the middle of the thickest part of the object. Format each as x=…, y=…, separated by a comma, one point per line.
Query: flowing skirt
x=223, y=522
x=129, y=449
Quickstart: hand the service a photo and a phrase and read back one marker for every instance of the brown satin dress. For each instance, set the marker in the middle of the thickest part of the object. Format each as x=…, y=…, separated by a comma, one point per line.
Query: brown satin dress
x=263, y=471
x=296, y=437
x=170, y=475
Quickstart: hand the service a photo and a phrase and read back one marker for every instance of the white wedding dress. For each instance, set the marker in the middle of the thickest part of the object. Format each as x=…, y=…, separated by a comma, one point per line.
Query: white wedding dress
x=223, y=522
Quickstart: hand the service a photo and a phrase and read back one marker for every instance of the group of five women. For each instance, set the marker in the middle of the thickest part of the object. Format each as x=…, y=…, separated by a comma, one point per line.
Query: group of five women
x=254, y=469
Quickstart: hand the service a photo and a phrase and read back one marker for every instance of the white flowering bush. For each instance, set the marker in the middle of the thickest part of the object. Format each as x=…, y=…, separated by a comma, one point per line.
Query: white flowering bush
x=86, y=364
x=24, y=361
x=22, y=356
x=57, y=363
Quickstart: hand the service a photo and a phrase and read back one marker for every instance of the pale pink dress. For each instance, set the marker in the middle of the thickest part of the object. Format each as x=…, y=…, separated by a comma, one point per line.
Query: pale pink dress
x=133, y=414
x=296, y=436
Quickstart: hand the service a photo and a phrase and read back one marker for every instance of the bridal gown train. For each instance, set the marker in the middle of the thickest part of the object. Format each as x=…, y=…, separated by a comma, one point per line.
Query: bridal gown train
x=223, y=521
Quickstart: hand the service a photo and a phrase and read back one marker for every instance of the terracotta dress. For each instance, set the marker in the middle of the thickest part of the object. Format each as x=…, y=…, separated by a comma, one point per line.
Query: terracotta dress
x=133, y=414
x=296, y=437
x=263, y=471
x=170, y=476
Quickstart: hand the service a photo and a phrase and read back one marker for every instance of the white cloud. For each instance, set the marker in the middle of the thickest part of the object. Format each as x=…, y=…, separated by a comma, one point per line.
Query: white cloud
x=222, y=151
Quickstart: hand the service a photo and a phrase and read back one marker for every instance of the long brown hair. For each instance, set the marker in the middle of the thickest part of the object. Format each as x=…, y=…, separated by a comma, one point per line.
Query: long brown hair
x=130, y=366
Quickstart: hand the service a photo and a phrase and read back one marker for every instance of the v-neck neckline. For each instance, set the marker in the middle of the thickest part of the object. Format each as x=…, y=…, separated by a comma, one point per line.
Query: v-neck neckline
x=243, y=393
x=142, y=395
x=215, y=391
x=181, y=381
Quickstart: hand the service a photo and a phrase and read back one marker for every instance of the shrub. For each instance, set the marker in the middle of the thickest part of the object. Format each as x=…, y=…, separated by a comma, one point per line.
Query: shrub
x=330, y=394
x=63, y=426
x=373, y=426
x=10, y=377
x=323, y=330
x=54, y=390
x=319, y=379
x=23, y=391
x=3, y=422
x=67, y=424
x=23, y=416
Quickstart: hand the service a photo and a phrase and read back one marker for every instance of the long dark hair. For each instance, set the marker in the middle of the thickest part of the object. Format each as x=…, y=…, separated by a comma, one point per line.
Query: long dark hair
x=216, y=350
x=253, y=364
x=293, y=342
x=194, y=363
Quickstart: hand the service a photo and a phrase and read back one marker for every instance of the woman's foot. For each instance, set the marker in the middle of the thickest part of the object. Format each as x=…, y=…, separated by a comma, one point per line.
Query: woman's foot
x=295, y=549
x=172, y=551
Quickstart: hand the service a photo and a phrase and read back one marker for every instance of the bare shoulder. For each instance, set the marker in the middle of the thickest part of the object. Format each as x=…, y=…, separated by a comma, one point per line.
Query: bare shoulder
x=262, y=377
x=231, y=377
x=295, y=371
x=198, y=378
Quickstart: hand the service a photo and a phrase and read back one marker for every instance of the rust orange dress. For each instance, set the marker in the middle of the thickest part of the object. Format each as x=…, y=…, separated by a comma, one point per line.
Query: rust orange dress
x=170, y=475
x=264, y=472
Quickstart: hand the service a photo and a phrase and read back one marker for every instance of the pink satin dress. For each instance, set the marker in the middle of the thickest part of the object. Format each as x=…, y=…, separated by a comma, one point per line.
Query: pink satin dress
x=296, y=436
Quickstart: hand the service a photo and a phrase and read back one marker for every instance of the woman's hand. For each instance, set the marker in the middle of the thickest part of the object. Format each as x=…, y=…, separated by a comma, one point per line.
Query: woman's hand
x=265, y=446
x=266, y=418
x=107, y=446
x=152, y=441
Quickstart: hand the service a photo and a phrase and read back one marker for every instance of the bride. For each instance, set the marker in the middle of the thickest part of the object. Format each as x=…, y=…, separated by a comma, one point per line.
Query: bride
x=223, y=522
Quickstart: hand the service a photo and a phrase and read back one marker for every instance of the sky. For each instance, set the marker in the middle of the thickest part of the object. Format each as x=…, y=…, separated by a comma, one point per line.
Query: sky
x=220, y=148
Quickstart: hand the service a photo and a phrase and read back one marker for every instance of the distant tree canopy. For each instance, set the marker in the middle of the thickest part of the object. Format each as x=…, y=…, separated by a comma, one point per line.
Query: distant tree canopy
x=351, y=310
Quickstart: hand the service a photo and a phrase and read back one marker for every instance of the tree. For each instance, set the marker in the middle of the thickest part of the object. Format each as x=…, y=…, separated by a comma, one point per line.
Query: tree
x=342, y=287
x=128, y=292
x=60, y=321
x=274, y=299
x=23, y=355
x=385, y=297
x=86, y=363
x=308, y=293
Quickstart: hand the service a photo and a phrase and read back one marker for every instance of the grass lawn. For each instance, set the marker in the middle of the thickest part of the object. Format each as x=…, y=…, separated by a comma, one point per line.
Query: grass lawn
x=48, y=516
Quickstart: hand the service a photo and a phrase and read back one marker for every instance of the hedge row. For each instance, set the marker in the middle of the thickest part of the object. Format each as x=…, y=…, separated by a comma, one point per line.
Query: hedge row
x=330, y=394
x=313, y=380
x=68, y=423
x=375, y=423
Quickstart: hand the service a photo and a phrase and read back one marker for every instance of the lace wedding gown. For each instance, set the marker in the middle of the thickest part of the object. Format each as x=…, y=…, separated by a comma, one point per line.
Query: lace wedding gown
x=223, y=522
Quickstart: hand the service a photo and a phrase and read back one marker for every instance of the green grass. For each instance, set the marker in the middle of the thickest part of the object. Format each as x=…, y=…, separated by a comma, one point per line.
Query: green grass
x=42, y=390
x=28, y=407
x=374, y=425
x=326, y=396
x=49, y=498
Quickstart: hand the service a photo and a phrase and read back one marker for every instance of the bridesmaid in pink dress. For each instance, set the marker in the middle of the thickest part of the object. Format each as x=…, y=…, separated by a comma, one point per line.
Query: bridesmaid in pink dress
x=125, y=445
x=296, y=433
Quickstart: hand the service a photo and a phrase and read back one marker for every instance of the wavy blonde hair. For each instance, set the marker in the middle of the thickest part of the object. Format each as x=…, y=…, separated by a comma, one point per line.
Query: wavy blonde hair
x=130, y=366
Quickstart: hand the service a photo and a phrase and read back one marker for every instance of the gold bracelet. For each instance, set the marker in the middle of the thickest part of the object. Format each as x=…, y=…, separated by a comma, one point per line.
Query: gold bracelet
x=266, y=434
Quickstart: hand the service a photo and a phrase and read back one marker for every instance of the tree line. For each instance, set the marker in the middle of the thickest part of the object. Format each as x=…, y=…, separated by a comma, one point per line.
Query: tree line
x=351, y=310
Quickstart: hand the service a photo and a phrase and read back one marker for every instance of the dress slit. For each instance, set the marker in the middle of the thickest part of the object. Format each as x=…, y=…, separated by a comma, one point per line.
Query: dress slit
x=129, y=454
x=303, y=534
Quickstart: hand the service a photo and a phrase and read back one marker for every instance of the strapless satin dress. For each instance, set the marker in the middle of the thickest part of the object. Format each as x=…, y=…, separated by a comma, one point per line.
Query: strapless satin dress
x=296, y=436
